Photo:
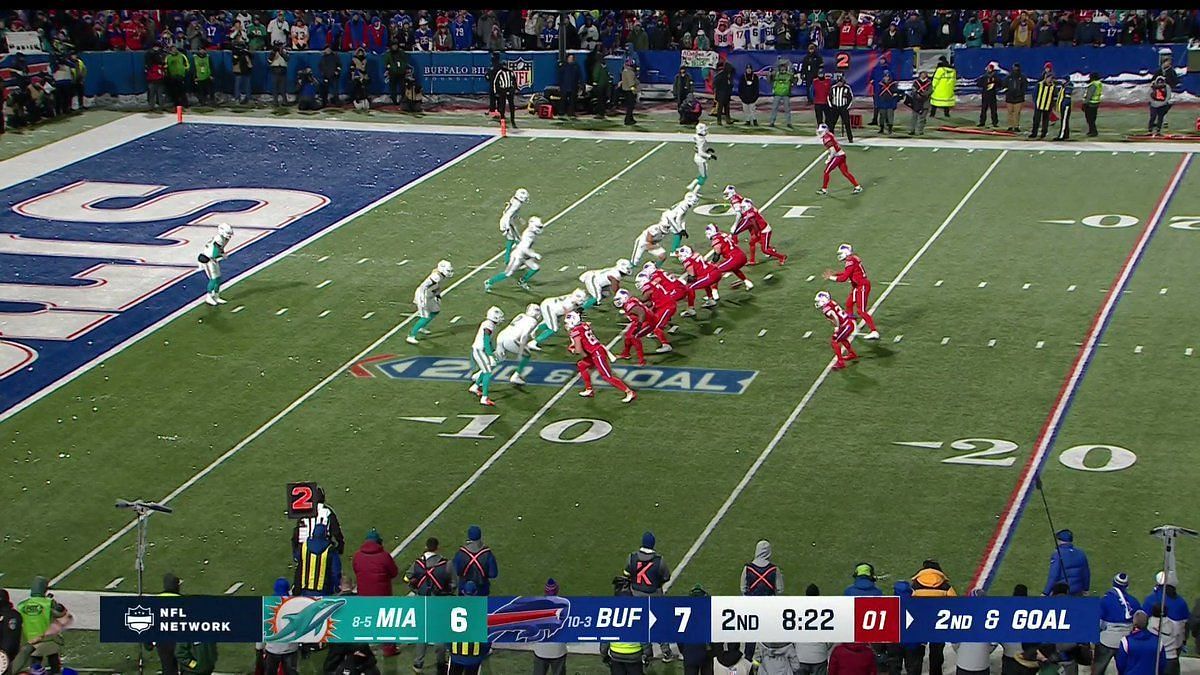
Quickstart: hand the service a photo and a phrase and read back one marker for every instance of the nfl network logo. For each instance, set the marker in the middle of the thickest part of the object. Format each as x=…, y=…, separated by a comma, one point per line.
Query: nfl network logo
x=522, y=73
x=139, y=619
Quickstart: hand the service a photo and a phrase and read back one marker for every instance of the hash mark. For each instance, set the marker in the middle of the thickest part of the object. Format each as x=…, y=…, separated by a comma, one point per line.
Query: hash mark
x=325, y=283
x=456, y=319
x=983, y=284
x=1071, y=288
x=368, y=315
x=114, y=583
x=807, y=334
x=563, y=268
x=811, y=277
x=1040, y=344
x=762, y=332
x=361, y=261
x=945, y=341
x=717, y=330
x=281, y=312
x=323, y=258
x=234, y=588
x=1137, y=349
x=768, y=277
x=403, y=262
x=1026, y=286
x=323, y=314
x=897, y=338
x=238, y=309
x=992, y=342
x=939, y=282
x=672, y=329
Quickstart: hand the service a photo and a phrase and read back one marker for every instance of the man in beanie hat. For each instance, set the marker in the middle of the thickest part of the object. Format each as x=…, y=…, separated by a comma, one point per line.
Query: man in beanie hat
x=43, y=621
x=647, y=573
x=276, y=655
x=1116, y=621
x=429, y=575
x=375, y=569
x=989, y=84
x=475, y=562
x=864, y=581
x=172, y=587
x=623, y=658
x=931, y=582
x=550, y=658
x=1169, y=615
x=1068, y=565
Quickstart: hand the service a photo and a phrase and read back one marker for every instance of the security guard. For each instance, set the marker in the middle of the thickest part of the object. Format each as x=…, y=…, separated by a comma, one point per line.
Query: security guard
x=647, y=574
x=42, y=622
x=1062, y=103
x=623, y=658
x=1091, y=102
x=1043, y=105
x=10, y=630
x=430, y=574
x=466, y=657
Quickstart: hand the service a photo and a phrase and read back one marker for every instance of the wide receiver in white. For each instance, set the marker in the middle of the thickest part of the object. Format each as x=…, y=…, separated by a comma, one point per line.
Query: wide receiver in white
x=483, y=355
x=703, y=154
x=553, y=310
x=510, y=221
x=210, y=261
x=522, y=256
x=514, y=340
x=428, y=299
x=604, y=282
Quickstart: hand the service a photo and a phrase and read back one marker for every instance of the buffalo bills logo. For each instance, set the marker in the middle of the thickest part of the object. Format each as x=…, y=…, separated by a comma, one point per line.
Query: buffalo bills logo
x=528, y=619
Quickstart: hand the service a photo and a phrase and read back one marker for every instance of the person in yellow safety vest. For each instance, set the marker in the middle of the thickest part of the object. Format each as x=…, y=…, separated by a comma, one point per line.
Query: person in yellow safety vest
x=623, y=658
x=467, y=657
x=944, y=79
x=1043, y=105
x=1091, y=102
x=42, y=622
x=318, y=566
x=931, y=582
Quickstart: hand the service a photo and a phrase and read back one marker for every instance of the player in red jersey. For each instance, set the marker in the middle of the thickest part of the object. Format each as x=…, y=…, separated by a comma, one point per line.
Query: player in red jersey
x=860, y=287
x=836, y=160
x=748, y=218
x=641, y=323
x=595, y=355
x=843, y=328
x=701, y=273
x=733, y=259
x=663, y=294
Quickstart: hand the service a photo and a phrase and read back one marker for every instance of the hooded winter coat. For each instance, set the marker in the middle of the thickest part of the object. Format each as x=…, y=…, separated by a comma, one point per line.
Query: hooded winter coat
x=374, y=569
x=760, y=564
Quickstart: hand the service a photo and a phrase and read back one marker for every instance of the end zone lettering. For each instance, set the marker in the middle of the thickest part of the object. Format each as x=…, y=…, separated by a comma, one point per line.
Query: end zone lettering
x=558, y=373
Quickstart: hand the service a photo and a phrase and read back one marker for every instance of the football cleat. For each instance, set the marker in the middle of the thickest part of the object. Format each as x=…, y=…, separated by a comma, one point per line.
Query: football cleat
x=844, y=251
x=822, y=191
x=516, y=379
x=749, y=285
x=474, y=389
x=572, y=319
x=629, y=396
x=688, y=312
x=821, y=299
x=534, y=346
x=664, y=348
x=873, y=335
x=483, y=400
x=857, y=189
x=220, y=300
x=412, y=340
x=521, y=195
x=445, y=269
x=587, y=393
x=709, y=303
x=208, y=298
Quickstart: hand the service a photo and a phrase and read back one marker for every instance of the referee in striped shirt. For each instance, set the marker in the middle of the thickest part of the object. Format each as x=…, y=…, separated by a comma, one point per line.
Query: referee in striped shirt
x=840, y=98
x=504, y=87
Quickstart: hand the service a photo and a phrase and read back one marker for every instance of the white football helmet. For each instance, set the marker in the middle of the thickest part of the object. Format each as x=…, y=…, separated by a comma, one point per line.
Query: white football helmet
x=822, y=130
x=225, y=231
x=711, y=231
x=495, y=314
x=702, y=129
x=624, y=267
x=536, y=224
x=730, y=191
x=534, y=310
x=572, y=319
x=642, y=281
x=521, y=195
x=821, y=300
x=621, y=298
x=844, y=251
x=445, y=269
x=683, y=252
x=578, y=296
x=691, y=199
x=648, y=268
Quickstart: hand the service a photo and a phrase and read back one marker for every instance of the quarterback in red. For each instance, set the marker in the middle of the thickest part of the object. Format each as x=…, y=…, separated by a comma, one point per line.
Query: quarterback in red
x=843, y=328
x=860, y=287
x=595, y=355
x=836, y=160
x=749, y=219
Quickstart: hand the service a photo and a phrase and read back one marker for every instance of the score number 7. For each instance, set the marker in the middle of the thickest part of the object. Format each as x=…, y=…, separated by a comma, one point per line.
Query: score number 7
x=683, y=614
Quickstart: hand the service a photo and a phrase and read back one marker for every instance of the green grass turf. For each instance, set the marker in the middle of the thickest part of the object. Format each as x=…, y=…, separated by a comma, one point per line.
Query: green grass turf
x=835, y=491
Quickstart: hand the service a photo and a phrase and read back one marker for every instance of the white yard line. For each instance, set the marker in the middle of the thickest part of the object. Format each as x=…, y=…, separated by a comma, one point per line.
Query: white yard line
x=338, y=371
x=791, y=419
x=500, y=452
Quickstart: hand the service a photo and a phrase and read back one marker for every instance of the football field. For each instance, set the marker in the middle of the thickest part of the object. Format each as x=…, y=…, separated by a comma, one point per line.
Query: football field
x=1037, y=307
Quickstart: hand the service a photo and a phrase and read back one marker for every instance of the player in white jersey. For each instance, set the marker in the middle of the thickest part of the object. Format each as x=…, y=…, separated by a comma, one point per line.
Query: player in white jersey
x=210, y=261
x=523, y=255
x=428, y=299
x=603, y=282
x=483, y=355
x=703, y=154
x=650, y=242
x=674, y=217
x=514, y=340
x=553, y=310
x=510, y=221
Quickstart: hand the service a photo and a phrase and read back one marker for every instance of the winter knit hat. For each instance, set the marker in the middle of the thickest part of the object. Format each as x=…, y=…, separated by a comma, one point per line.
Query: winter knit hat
x=1121, y=580
x=697, y=591
x=1065, y=536
x=648, y=540
x=469, y=588
x=474, y=533
x=282, y=587
x=551, y=587
x=373, y=535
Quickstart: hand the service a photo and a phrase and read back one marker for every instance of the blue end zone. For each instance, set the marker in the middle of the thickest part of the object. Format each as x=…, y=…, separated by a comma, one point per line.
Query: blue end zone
x=350, y=168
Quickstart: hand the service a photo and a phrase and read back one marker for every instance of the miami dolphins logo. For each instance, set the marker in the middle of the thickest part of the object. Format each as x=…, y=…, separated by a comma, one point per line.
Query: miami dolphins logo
x=302, y=619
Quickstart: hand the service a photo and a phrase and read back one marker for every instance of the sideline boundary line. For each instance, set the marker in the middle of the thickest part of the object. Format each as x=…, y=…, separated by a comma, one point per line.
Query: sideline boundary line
x=504, y=448
x=128, y=527
x=812, y=390
x=997, y=546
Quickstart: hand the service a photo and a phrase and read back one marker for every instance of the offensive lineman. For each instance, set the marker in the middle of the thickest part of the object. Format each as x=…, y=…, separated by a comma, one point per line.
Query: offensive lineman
x=860, y=287
x=641, y=323
x=843, y=328
x=515, y=338
x=701, y=274
x=510, y=221
x=733, y=258
x=428, y=299
x=483, y=355
x=553, y=310
x=210, y=261
x=836, y=160
x=608, y=279
x=523, y=255
x=703, y=154
x=595, y=355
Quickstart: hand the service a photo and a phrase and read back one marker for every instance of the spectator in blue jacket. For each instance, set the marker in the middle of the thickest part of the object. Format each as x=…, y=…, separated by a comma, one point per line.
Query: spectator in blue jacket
x=864, y=581
x=1116, y=621
x=475, y=563
x=1169, y=615
x=1068, y=565
x=887, y=95
x=568, y=83
x=1140, y=653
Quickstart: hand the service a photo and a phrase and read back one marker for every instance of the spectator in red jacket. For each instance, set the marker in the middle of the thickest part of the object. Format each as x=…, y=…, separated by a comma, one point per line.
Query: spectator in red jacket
x=864, y=37
x=846, y=33
x=852, y=658
x=820, y=95
x=374, y=567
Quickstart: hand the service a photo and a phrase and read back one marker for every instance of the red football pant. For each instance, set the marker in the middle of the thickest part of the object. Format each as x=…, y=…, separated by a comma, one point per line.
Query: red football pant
x=599, y=361
x=838, y=162
x=633, y=339
x=683, y=292
x=841, y=343
x=858, y=299
x=708, y=282
x=663, y=316
x=733, y=264
x=763, y=240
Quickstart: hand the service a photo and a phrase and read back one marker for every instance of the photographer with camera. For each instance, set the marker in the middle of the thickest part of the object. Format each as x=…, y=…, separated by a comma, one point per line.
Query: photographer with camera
x=306, y=90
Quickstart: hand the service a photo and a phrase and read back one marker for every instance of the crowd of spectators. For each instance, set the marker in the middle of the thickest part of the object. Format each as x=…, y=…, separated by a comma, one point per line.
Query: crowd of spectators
x=608, y=30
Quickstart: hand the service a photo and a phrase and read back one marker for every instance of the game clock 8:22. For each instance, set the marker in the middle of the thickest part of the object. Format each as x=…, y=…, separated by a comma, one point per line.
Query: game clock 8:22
x=783, y=619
